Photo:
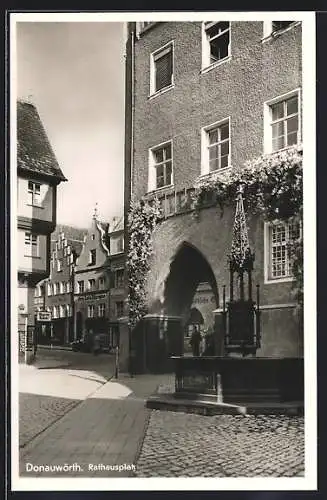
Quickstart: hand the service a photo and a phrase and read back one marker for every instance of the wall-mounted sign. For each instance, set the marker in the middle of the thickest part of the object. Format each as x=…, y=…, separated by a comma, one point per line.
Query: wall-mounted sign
x=93, y=296
x=43, y=316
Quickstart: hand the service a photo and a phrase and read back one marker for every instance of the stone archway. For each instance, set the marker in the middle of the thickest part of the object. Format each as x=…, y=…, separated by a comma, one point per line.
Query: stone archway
x=188, y=268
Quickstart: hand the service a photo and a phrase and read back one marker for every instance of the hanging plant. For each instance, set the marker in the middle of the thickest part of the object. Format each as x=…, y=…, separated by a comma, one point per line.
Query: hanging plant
x=142, y=219
x=272, y=188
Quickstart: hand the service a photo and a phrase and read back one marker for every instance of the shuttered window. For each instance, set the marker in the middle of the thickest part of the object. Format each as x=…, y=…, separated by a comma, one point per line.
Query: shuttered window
x=162, y=68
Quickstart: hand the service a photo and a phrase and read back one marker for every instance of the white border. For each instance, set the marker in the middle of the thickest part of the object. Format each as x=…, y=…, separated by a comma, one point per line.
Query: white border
x=309, y=482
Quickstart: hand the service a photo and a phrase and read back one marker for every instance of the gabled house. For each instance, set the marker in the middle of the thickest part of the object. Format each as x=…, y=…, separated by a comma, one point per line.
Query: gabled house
x=38, y=175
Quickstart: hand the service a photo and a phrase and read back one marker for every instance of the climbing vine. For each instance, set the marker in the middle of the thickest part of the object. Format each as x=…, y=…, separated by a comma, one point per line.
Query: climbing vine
x=272, y=188
x=142, y=219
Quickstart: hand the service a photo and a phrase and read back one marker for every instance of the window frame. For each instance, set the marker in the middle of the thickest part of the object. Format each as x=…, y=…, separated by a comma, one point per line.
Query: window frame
x=120, y=302
x=92, y=252
x=205, y=164
x=268, y=279
x=155, y=56
x=33, y=195
x=206, y=64
x=269, y=33
x=28, y=246
x=267, y=116
x=80, y=284
x=91, y=285
x=102, y=310
x=120, y=284
x=152, y=173
x=91, y=307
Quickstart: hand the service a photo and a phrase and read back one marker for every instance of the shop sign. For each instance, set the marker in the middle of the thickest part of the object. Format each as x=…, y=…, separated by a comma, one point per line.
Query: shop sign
x=43, y=316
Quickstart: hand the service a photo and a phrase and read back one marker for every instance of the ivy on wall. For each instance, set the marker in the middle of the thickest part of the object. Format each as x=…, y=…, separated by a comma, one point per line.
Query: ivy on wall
x=272, y=188
x=142, y=219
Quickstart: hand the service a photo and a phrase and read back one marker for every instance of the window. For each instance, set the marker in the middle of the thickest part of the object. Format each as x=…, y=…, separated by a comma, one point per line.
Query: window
x=69, y=310
x=80, y=286
x=59, y=265
x=55, y=312
x=31, y=245
x=119, y=309
x=278, y=261
x=68, y=287
x=55, y=288
x=161, y=167
x=274, y=28
x=101, y=310
x=284, y=122
x=34, y=193
x=216, y=42
x=62, y=286
x=162, y=68
x=120, y=244
x=49, y=289
x=119, y=278
x=62, y=310
x=92, y=257
x=101, y=283
x=280, y=25
x=93, y=237
x=216, y=147
x=91, y=284
x=90, y=311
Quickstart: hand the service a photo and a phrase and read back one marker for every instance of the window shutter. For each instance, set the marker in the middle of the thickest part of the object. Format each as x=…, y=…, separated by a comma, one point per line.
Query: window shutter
x=164, y=70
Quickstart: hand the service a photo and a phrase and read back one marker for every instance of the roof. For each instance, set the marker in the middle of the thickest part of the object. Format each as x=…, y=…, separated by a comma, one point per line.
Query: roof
x=70, y=232
x=34, y=152
x=73, y=235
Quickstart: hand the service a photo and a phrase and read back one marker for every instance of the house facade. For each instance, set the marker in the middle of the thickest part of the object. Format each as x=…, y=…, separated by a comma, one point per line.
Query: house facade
x=55, y=295
x=99, y=287
x=38, y=175
x=203, y=98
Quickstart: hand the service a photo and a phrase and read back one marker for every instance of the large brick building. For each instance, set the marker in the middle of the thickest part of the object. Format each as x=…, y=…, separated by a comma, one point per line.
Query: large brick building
x=202, y=98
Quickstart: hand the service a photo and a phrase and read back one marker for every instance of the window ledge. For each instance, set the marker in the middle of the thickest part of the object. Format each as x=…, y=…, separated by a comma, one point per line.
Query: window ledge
x=161, y=91
x=35, y=206
x=215, y=174
x=33, y=256
x=215, y=64
x=282, y=149
x=160, y=190
x=276, y=34
x=276, y=281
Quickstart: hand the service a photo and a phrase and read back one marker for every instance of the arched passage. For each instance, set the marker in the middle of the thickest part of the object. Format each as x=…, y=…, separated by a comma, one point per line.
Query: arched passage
x=187, y=270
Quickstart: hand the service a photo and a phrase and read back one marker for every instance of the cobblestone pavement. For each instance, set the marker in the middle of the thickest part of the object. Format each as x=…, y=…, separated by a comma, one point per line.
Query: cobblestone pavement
x=54, y=385
x=37, y=412
x=189, y=445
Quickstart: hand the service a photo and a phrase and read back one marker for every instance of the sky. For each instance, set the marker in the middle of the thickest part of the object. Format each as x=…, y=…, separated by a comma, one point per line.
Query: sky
x=74, y=74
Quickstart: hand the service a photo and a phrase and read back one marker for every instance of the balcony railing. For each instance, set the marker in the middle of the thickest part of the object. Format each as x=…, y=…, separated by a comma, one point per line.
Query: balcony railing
x=179, y=201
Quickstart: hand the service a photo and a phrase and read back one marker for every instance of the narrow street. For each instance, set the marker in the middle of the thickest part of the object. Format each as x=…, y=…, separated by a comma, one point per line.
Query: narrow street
x=73, y=413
